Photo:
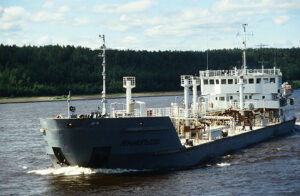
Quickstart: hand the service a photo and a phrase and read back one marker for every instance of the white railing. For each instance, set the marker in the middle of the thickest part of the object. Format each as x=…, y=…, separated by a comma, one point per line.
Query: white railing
x=180, y=112
x=159, y=111
x=231, y=104
x=253, y=104
x=154, y=112
x=137, y=112
x=128, y=81
x=211, y=73
x=123, y=113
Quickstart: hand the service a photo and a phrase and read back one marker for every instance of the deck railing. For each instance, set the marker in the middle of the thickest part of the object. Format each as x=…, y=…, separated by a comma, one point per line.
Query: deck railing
x=212, y=73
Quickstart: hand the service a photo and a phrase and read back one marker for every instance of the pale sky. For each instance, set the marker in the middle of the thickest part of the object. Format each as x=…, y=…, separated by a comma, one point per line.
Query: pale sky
x=150, y=24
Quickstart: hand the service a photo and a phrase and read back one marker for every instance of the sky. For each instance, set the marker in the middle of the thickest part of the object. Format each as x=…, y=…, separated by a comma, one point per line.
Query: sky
x=150, y=24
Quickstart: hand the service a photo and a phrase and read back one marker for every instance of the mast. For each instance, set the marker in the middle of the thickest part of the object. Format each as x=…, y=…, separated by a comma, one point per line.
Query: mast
x=206, y=59
x=244, y=69
x=275, y=64
x=244, y=49
x=103, y=47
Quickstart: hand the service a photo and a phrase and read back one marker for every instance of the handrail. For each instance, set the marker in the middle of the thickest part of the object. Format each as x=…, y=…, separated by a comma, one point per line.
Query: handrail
x=211, y=73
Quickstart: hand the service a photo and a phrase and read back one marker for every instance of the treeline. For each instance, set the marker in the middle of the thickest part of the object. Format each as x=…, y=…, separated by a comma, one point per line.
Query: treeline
x=54, y=70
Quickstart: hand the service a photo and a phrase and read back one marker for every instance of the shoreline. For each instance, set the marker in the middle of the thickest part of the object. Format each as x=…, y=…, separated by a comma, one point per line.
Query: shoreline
x=84, y=97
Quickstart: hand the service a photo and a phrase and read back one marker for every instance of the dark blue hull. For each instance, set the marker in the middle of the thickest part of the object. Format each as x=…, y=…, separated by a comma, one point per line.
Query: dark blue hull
x=137, y=143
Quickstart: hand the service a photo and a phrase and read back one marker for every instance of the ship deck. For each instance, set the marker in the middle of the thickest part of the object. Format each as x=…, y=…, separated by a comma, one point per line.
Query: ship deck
x=237, y=131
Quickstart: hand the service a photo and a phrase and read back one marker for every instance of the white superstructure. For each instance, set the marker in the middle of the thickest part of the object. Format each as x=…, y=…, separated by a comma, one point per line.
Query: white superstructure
x=256, y=88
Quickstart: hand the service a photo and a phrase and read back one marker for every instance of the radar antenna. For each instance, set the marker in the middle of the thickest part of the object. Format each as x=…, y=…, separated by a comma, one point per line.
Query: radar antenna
x=103, y=47
x=245, y=47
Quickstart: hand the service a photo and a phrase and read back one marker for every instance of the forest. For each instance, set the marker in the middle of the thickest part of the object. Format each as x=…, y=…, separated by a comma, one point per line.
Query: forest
x=54, y=70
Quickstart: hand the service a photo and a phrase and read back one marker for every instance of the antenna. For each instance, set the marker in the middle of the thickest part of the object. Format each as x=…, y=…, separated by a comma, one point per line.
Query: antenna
x=262, y=57
x=275, y=63
x=206, y=59
x=207, y=52
x=245, y=47
x=103, y=47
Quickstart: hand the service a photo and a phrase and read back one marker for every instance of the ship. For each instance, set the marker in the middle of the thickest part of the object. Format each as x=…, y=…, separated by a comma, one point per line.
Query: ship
x=232, y=110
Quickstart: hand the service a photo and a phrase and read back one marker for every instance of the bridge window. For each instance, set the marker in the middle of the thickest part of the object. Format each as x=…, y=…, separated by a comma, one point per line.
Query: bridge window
x=216, y=98
x=235, y=81
x=231, y=97
x=250, y=96
x=205, y=81
x=251, y=80
x=223, y=81
x=211, y=81
x=279, y=80
x=222, y=98
x=258, y=80
x=272, y=80
x=263, y=97
x=217, y=81
x=246, y=97
x=266, y=80
x=230, y=81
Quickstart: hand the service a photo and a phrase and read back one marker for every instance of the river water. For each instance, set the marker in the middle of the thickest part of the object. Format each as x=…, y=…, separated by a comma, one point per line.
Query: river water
x=272, y=167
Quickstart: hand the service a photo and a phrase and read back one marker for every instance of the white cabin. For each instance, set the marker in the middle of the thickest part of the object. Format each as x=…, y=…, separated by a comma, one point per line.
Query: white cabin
x=260, y=88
